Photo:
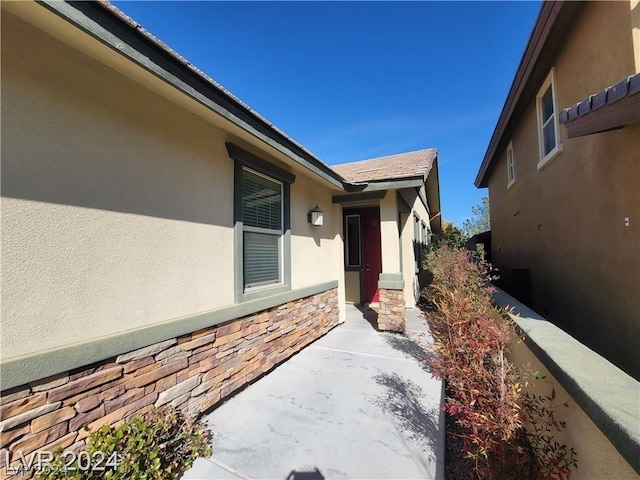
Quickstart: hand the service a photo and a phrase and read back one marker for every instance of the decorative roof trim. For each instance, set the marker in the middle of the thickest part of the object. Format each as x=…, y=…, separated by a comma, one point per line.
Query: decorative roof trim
x=625, y=88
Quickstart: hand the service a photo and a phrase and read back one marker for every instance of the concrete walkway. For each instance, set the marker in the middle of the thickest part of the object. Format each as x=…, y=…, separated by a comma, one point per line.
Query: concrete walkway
x=355, y=404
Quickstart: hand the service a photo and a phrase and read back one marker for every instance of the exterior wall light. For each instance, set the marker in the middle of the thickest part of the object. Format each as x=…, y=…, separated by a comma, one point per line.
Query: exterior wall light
x=316, y=216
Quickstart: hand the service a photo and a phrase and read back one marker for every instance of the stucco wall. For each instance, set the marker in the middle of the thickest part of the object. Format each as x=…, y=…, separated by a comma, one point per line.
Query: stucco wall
x=117, y=208
x=408, y=259
x=565, y=222
x=634, y=7
x=411, y=287
x=316, y=251
x=597, y=457
x=389, y=233
x=109, y=218
x=598, y=53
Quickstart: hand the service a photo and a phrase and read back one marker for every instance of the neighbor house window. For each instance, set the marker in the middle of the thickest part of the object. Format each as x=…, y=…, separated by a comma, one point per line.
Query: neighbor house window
x=262, y=229
x=511, y=169
x=548, y=127
x=354, y=256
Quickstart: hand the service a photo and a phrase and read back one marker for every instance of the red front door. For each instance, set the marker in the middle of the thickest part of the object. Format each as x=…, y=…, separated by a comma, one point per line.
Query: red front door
x=372, y=255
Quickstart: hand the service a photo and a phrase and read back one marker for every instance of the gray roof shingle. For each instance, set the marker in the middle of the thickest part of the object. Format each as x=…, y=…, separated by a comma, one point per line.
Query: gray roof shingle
x=391, y=167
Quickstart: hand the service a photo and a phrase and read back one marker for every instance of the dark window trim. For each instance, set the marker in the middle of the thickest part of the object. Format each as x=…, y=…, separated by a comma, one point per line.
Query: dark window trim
x=256, y=163
x=242, y=161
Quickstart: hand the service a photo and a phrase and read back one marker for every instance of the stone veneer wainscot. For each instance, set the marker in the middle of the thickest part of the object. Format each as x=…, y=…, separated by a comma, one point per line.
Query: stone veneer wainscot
x=391, y=310
x=191, y=372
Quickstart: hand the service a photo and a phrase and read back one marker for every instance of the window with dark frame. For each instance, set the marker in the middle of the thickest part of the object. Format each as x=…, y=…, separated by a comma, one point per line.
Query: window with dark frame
x=262, y=226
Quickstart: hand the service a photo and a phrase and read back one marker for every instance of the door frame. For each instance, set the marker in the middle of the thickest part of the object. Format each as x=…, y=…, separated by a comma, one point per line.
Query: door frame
x=360, y=211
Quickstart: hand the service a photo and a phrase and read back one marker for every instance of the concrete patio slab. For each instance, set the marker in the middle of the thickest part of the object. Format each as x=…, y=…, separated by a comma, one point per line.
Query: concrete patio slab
x=355, y=404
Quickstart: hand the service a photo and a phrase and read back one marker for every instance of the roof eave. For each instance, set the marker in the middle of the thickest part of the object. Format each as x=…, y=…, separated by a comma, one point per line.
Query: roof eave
x=551, y=28
x=106, y=24
x=386, y=184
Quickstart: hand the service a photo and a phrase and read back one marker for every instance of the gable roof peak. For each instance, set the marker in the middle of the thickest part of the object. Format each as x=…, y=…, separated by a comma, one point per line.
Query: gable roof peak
x=417, y=163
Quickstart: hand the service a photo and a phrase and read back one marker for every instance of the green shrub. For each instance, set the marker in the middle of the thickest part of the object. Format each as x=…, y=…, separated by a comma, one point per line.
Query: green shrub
x=450, y=235
x=505, y=431
x=159, y=445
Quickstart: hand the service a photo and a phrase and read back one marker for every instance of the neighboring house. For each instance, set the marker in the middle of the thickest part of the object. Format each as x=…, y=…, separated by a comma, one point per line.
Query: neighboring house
x=563, y=171
x=161, y=242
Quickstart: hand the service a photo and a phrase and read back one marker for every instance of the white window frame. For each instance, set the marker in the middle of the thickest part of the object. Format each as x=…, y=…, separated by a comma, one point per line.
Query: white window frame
x=550, y=82
x=511, y=166
x=279, y=233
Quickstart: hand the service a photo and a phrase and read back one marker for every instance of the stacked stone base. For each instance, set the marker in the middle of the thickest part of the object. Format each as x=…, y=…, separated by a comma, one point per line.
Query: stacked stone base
x=192, y=373
x=391, y=310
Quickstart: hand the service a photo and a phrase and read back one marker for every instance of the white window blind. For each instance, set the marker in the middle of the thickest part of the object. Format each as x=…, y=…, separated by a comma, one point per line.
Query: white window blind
x=262, y=229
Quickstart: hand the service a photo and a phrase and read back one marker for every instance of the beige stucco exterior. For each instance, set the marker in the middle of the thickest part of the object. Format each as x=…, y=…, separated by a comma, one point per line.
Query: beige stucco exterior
x=407, y=237
x=634, y=6
x=316, y=252
x=389, y=233
x=411, y=290
x=117, y=195
x=566, y=220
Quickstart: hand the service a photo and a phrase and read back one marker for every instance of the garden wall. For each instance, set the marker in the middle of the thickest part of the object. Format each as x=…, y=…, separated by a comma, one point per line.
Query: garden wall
x=602, y=417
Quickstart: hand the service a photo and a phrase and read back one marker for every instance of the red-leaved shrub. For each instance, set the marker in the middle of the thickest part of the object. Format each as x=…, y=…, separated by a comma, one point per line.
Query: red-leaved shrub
x=500, y=424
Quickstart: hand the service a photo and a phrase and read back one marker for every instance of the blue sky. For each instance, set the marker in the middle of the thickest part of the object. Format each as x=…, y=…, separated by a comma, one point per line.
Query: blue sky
x=356, y=80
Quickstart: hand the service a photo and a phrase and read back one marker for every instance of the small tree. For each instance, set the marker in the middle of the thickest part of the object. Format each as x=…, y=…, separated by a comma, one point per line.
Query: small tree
x=451, y=236
x=480, y=222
